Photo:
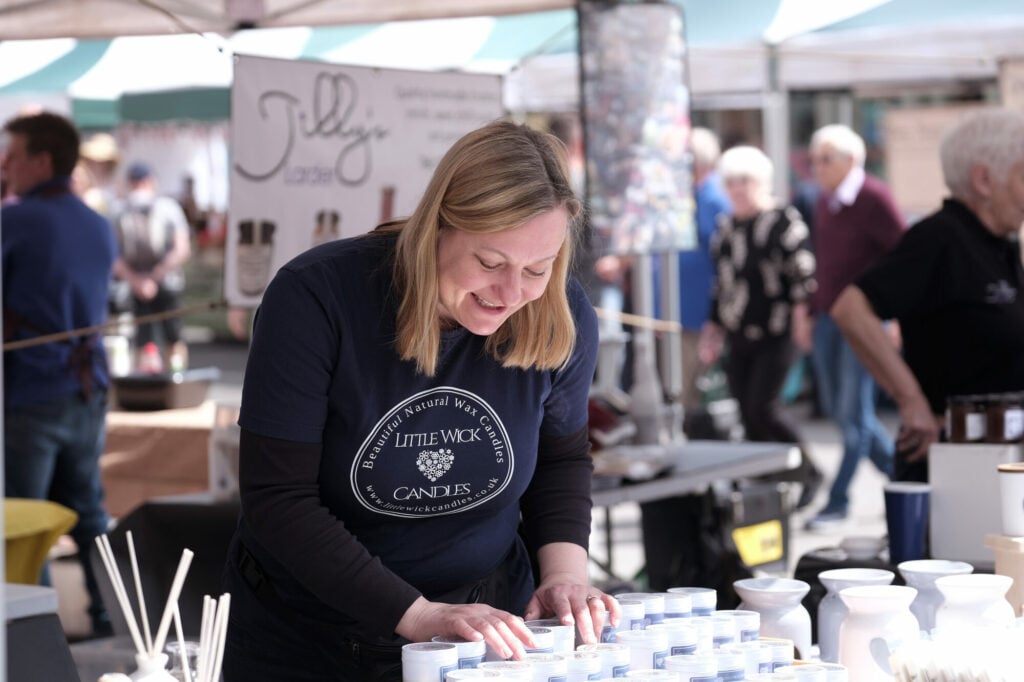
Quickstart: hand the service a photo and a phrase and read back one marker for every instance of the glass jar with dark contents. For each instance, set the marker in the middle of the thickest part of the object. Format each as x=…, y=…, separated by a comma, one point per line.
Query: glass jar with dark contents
x=966, y=418
x=1004, y=417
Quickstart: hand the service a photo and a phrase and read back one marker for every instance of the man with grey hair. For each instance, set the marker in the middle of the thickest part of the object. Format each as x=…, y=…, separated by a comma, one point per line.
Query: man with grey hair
x=696, y=267
x=855, y=223
x=954, y=283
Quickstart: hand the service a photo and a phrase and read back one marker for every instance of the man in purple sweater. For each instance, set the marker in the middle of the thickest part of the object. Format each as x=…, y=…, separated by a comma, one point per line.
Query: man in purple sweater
x=856, y=222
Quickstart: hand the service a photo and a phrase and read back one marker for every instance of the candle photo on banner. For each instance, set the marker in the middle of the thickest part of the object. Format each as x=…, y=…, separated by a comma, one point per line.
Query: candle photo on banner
x=322, y=151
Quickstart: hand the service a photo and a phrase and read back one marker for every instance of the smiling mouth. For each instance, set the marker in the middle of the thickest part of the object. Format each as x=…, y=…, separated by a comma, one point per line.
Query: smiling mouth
x=487, y=304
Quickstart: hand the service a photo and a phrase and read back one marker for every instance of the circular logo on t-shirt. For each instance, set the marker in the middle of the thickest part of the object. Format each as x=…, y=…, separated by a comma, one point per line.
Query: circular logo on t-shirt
x=441, y=451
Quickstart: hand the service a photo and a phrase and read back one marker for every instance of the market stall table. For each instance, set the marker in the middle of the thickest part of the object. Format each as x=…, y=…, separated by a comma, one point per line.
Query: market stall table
x=646, y=473
x=155, y=453
x=678, y=468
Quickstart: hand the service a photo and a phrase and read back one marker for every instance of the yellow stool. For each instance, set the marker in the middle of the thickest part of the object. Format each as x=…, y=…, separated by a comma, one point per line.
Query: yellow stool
x=30, y=529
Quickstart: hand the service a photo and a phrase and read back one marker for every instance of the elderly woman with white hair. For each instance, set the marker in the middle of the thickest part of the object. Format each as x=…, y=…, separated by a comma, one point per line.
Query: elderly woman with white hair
x=955, y=284
x=765, y=273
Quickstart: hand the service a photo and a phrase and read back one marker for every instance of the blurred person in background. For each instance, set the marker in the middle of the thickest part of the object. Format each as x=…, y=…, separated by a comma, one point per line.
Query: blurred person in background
x=100, y=157
x=155, y=242
x=57, y=260
x=856, y=222
x=696, y=267
x=764, y=276
x=956, y=286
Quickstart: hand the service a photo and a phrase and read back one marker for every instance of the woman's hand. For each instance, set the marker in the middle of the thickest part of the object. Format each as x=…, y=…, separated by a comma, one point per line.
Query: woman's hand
x=505, y=633
x=563, y=597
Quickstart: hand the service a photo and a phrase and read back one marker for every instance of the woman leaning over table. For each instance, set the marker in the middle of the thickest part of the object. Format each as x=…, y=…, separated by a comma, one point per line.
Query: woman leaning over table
x=955, y=284
x=764, y=272
x=411, y=395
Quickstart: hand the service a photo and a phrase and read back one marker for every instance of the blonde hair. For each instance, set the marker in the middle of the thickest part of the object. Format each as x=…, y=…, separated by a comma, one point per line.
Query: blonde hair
x=493, y=179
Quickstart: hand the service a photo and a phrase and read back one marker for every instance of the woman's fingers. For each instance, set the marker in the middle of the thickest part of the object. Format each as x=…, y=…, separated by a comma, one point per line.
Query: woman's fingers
x=590, y=618
x=505, y=633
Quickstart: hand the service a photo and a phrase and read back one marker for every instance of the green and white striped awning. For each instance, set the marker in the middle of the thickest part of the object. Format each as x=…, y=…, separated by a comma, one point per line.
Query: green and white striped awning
x=819, y=44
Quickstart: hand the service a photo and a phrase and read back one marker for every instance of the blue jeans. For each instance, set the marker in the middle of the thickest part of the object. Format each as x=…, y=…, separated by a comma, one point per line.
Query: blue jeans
x=52, y=451
x=847, y=394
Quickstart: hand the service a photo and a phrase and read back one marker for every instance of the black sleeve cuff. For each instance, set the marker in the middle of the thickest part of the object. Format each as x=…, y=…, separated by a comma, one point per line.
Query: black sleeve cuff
x=556, y=507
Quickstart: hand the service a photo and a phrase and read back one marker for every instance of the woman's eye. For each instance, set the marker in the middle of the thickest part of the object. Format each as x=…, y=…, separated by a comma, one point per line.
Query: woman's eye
x=488, y=266
x=534, y=273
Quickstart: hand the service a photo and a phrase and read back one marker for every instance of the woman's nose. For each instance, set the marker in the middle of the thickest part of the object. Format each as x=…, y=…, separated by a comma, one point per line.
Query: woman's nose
x=511, y=287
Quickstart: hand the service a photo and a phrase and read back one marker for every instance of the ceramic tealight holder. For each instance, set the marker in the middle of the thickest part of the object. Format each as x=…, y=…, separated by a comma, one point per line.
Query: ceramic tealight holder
x=921, y=574
x=778, y=600
x=974, y=600
x=879, y=621
x=832, y=610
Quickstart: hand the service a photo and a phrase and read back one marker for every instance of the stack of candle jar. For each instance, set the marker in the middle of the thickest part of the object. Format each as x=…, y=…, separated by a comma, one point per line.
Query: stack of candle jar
x=677, y=636
x=988, y=418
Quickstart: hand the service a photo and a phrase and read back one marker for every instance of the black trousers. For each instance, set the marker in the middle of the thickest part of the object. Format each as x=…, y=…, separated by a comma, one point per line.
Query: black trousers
x=756, y=372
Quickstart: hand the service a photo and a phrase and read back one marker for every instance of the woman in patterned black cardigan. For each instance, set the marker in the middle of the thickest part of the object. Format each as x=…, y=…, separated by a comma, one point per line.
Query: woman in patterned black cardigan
x=765, y=273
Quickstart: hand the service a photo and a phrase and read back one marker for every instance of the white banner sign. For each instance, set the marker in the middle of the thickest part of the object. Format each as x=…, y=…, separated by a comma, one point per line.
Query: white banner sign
x=321, y=151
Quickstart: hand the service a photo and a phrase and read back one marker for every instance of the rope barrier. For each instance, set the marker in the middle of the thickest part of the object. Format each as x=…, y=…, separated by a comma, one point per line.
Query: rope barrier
x=640, y=321
x=113, y=324
x=625, y=318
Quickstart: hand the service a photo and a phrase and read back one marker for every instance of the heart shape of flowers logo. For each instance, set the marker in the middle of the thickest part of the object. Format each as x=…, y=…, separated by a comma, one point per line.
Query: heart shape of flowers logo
x=435, y=463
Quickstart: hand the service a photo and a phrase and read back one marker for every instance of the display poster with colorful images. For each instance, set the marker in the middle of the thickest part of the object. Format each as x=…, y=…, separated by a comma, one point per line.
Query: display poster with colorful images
x=321, y=151
x=636, y=123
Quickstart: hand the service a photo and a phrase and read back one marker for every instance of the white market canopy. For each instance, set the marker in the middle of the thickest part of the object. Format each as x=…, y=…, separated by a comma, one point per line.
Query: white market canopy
x=531, y=42
x=105, y=69
x=108, y=18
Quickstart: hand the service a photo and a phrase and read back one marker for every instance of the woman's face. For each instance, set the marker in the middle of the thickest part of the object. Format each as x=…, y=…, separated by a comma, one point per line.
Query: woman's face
x=746, y=194
x=484, y=278
x=1007, y=198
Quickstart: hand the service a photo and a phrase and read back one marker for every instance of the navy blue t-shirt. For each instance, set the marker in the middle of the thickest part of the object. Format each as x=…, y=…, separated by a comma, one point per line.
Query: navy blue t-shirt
x=426, y=472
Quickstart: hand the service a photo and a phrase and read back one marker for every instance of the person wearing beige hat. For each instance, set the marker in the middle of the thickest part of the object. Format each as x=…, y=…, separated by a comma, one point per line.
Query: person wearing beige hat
x=100, y=156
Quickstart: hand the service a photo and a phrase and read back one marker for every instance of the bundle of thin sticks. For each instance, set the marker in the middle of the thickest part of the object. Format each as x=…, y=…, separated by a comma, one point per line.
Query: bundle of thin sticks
x=212, y=635
x=214, y=623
